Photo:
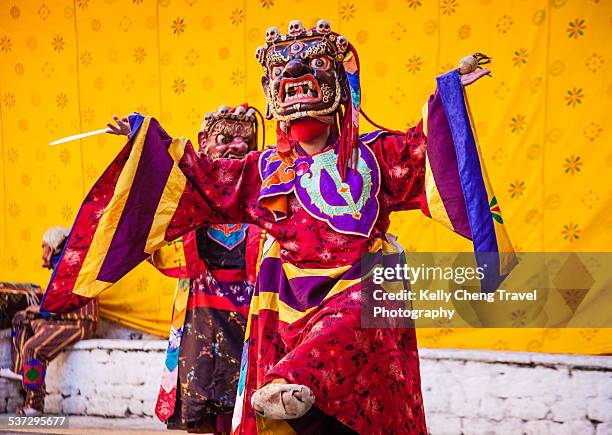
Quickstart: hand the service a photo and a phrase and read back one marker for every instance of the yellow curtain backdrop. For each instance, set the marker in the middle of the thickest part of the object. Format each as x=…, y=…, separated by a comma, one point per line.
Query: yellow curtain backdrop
x=66, y=66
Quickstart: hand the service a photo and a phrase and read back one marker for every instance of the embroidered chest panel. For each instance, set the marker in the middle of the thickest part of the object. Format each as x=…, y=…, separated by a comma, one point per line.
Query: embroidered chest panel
x=348, y=206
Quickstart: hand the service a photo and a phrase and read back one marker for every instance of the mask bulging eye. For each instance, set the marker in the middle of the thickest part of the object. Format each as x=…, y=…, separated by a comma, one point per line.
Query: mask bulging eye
x=320, y=62
x=223, y=139
x=277, y=71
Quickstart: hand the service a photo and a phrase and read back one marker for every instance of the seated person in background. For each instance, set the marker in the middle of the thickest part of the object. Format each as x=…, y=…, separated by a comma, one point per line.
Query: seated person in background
x=38, y=337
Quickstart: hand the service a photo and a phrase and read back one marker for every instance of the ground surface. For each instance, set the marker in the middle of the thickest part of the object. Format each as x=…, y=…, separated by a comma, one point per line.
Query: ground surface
x=95, y=425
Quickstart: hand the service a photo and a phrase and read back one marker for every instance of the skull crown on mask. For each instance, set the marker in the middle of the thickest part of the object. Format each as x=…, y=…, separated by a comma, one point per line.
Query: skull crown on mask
x=228, y=133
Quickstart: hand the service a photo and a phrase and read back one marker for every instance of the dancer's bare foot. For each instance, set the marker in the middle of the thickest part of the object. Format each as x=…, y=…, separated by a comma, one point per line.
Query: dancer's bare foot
x=279, y=400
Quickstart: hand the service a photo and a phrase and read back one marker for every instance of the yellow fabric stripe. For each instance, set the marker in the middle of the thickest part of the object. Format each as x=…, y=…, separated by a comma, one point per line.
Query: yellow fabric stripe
x=79, y=332
x=170, y=255
x=425, y=118
x=181, y=298
x=262, y=241
x=434, y=200
x=385, y=246
x=247, y=332
x=271, y=301
x=273, y=251
x=46, y=340
x=181, y=295
x=170, y=198
x=265, y=426
x=86, y=283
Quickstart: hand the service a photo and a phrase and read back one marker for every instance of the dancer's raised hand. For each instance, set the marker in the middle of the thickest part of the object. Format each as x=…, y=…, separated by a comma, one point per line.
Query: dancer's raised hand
x=469, y=78
x=470, y=68
x=122, y=128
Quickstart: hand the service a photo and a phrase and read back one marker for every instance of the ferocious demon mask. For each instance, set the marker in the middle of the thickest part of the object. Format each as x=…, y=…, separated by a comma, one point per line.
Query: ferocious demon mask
x=229, y=132
x=303, y=72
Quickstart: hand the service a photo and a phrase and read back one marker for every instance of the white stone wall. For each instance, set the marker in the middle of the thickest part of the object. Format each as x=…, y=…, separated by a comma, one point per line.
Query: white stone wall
x=112, y=378
x=9, y=395
x=465, y=392
x=9, y=390
x=489, y=392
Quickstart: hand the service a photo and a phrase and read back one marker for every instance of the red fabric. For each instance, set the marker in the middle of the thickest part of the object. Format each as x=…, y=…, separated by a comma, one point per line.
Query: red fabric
x=305, y=129
x=216, y=302
x=225, y=190
x=252, y=252
x=283, y=144
x=195, y=264
x=328, y=350
x=348, y=141
x=228, y=275
x=164, y=408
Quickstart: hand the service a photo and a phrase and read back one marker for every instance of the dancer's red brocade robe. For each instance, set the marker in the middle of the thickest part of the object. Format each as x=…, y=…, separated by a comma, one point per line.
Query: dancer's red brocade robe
x=305, y=315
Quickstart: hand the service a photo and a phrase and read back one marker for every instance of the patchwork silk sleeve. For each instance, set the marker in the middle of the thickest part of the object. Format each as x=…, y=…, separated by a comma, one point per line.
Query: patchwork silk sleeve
x=156, y=190
x=420, y=168
x=437, y=166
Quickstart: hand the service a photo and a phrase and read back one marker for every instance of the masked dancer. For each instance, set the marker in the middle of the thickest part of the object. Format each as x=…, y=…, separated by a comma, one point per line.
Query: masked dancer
x=216, y=270
x=325, y=194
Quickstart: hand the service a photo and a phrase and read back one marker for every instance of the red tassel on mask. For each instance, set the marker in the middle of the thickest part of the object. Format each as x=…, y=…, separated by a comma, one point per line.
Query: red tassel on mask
x=348, y=143
x=283, y=145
